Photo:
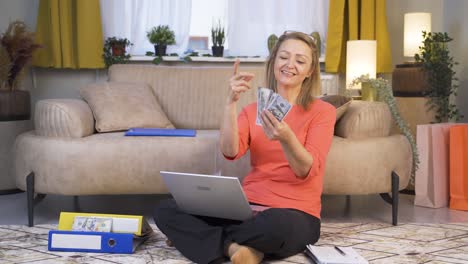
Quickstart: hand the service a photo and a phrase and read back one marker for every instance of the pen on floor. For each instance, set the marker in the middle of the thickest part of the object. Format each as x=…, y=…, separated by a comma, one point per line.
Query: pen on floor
x=340, y=250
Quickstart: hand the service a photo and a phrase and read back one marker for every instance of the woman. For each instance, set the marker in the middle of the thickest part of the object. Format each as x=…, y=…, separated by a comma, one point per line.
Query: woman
x=288, y=163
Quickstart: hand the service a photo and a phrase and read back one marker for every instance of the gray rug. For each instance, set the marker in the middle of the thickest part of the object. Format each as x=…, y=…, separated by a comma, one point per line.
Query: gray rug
x=377, y=242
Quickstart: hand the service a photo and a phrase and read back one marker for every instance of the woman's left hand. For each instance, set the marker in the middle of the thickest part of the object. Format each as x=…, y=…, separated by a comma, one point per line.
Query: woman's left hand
x=274, y=129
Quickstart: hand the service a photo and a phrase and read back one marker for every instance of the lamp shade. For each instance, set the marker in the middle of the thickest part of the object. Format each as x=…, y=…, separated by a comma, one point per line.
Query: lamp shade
x=415, y=24
x=361, y=58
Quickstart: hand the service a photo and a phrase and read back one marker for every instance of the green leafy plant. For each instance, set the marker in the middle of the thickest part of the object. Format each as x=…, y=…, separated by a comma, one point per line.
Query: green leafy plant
x=318, y=41
x=437, y=62
x=161, y=35
x=115, y=51
x=385, y=94
x=271, y=42
x=218, y=36
x=17, y=46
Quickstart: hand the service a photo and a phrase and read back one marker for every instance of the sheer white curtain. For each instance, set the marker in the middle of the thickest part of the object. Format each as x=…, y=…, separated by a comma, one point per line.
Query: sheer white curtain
x=133, y=18
x=251, y=22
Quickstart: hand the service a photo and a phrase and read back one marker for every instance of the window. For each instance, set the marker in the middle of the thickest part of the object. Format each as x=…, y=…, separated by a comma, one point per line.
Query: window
x=252, y=22
x=205, y=14
x=247, y=23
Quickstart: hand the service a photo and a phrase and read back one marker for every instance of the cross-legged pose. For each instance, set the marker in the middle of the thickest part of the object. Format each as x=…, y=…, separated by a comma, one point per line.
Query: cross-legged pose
x=288, y=164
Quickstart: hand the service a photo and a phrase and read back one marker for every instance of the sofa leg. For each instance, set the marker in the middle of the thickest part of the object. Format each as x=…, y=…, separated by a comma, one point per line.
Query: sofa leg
x=394, y=199
x=30, y=198
x=76, y=204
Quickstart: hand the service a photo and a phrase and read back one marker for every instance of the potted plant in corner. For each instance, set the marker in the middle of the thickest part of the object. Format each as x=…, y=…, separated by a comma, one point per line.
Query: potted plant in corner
x=438, y=65
x=17, y=46
x=115, y=51
x=218, y=37
x=161, y=36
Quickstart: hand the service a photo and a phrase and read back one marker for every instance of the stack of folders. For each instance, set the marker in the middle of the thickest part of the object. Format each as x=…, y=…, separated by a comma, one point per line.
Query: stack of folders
x=334, y=255
x=100, y=233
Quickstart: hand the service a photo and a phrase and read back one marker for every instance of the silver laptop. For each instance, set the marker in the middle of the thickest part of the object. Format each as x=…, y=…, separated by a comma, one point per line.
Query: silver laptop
x=209, y=195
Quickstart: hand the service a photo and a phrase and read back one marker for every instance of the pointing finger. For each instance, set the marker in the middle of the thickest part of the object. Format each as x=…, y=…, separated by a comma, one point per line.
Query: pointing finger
x=246, y=76
x=236, y=66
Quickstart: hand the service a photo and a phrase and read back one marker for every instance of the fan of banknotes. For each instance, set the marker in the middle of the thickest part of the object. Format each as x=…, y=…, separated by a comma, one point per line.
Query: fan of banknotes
x=273, y=102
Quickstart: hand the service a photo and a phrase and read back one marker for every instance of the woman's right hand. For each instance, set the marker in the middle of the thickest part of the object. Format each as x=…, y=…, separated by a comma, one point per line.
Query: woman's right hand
x=238, y=83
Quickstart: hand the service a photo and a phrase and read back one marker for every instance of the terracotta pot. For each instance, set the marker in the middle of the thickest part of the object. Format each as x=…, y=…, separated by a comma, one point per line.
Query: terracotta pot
x=118, y=50
x=15, y=105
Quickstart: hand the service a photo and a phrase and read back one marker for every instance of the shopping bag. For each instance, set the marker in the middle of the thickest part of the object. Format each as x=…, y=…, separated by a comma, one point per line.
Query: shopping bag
x=459, y=167
x=432, y=177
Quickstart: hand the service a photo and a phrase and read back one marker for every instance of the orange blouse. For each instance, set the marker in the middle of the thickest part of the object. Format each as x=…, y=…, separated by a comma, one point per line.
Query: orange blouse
x=271, y=181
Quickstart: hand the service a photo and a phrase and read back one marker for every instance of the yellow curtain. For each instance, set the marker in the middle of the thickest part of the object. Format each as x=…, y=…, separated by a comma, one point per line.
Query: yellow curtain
x=357, y=20
x=71, y=33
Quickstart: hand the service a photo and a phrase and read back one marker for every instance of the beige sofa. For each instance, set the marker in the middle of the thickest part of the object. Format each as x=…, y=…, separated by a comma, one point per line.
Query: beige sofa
x=65, y=155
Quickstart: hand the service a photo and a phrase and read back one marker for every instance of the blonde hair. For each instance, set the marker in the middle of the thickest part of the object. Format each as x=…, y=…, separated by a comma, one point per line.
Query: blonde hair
x=311, y=86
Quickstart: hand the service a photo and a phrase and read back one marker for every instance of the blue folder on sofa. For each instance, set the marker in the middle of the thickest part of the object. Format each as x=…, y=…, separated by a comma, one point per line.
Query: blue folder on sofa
x=165, y=132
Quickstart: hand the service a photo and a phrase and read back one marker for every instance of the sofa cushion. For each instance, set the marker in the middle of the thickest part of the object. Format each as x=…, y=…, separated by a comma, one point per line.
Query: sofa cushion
x=341, y=103
x=192, y=96
x=119, y=106
x=365, y=119
x=71, y=118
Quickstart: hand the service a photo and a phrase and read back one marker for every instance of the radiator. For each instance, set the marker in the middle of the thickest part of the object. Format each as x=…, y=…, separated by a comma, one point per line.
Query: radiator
x=330, y=83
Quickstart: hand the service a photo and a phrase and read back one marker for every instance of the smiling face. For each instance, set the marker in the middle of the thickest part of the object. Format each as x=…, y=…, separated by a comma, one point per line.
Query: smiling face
x=293, y=63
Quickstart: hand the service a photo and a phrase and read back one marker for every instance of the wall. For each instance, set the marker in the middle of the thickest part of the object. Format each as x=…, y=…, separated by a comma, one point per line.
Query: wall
x=396, y=10
x=447, y=15
x=11, y=11
x=455, y=23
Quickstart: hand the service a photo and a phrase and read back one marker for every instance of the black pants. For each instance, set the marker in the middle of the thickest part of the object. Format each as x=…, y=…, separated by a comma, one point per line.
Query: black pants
x=276, y=232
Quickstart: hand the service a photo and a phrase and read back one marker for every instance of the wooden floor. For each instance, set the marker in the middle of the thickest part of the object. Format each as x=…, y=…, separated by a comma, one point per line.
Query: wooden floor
x=335, y=209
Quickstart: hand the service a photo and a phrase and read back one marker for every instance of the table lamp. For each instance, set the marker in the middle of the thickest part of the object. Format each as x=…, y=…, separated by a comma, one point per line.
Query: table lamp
x=409, y=79
x=361, y=58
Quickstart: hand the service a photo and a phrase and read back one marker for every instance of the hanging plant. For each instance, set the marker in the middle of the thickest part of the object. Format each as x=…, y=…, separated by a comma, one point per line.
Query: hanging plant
x=437, y=62
x=385, y=94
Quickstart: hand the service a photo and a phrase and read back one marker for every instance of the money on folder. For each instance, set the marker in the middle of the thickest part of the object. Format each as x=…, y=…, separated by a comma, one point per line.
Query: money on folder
x=273, y=102
x=99, y=233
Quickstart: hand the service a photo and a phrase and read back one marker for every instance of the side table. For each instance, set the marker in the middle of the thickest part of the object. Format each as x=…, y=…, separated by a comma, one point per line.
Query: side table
x=8, y=132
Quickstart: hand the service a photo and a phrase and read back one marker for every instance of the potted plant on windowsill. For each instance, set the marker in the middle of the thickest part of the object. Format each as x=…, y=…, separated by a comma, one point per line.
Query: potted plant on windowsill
x=17, y=46
x=161, y=36
x=218, y=37
x=115, y=51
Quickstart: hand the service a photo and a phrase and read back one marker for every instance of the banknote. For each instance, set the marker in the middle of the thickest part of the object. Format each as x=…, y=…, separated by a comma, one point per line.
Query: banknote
x=279, y=107
x=96, y=224
x=263, y=97
x=273, y=102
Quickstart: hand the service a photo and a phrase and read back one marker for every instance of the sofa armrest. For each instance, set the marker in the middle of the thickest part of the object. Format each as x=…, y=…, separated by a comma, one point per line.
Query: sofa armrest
x=70, y=118
x=365, y=119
